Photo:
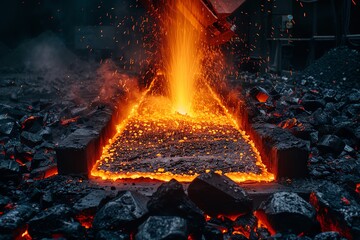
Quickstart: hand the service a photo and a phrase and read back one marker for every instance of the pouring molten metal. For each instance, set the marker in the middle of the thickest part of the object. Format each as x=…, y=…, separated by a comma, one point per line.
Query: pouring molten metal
x=180, y=128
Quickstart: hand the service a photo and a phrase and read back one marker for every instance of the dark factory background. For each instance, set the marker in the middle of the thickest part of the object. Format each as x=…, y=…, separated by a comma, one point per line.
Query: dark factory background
x=271, y=34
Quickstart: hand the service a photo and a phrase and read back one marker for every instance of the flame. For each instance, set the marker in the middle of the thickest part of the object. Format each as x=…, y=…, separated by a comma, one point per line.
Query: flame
x=86, y=219
x=68, y=120
x=263, y=222
x=188, y=67
x=182, y=53
x=26, y=235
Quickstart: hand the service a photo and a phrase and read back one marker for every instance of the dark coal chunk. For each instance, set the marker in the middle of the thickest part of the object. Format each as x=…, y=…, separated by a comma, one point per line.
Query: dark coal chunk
x=163, y=228
x=41, y=159
x=171, y=200
x=55, y=220
x=31, y=139
x=7, y=126
x=16, y=218
x=337, y=210
x=329, y=236
x=78, y=152
x=236, y=236
x=261, y=233
x=287, y=154
x=3, y=202
x=339, y=119
x=354, y=97
x=319, y=118
x=46, y=133
x=125, y=211
x=312, y=105
x=353, y=110
x=227, y=198
x=245, y=224
x=345, y=129
x=287, y=237
x=10, y=170
x=212, y=233
x=288, y=212
x=31, y=123
x=110, y=235
x=92, y=200
x=329, y=95
x=331, y=143
x=314, y=137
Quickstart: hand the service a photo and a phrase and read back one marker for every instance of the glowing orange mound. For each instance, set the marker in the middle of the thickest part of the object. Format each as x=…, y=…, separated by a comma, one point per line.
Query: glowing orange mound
x=154, y=137
x=188, y=131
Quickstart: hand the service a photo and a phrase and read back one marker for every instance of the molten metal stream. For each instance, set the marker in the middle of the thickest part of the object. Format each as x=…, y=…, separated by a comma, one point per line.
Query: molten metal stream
x=182, y=54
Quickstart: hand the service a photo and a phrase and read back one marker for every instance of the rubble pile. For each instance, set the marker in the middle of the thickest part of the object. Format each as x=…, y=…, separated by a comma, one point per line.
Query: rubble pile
x=316, y=113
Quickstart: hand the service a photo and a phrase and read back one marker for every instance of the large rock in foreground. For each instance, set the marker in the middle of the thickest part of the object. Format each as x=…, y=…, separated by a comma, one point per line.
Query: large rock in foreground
x=163, y=228
x=171, y=200
x=286, y=211
x=125, y=211
x=216, y=194
x=337, y=210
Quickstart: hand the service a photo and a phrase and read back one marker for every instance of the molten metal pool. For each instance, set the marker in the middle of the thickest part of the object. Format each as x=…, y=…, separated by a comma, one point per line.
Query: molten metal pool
x=157, y=142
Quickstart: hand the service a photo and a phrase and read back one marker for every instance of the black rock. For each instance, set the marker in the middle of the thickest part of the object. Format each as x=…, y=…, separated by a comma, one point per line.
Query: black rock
x=110, y=235
x=7, y=126
x=55, y=220
x=354, y=97
x=125, y=211
x=319, y=118
x=16, y=218
x=10, y=170
x=31, y=139
x=261, y=233
x=353, y=110
x=314, y=137
x=288, y=212
x=287, y=154
x=3, y=202
x=31, y=123
x=212, y=233
x=41, y=159
x=331, y=143
x=326, y=129
x=337, y=210
x=312, y=105
x=279, y=236
x=245, y=224
x=46, y=133
x=227, y=198
x=339, y=119
x=92, y=200
x=345, y=129
x=329, y=95
x=329, y=236
x=163, y=228
x=171, y=200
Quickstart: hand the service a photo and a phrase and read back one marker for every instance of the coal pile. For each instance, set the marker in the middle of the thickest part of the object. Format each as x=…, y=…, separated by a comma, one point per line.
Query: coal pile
x=305, y=115
x=340, y=67
x=74, y=208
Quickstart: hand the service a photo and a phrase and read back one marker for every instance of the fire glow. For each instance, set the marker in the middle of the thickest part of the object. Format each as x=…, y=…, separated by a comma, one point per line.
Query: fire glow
x=186, y=122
